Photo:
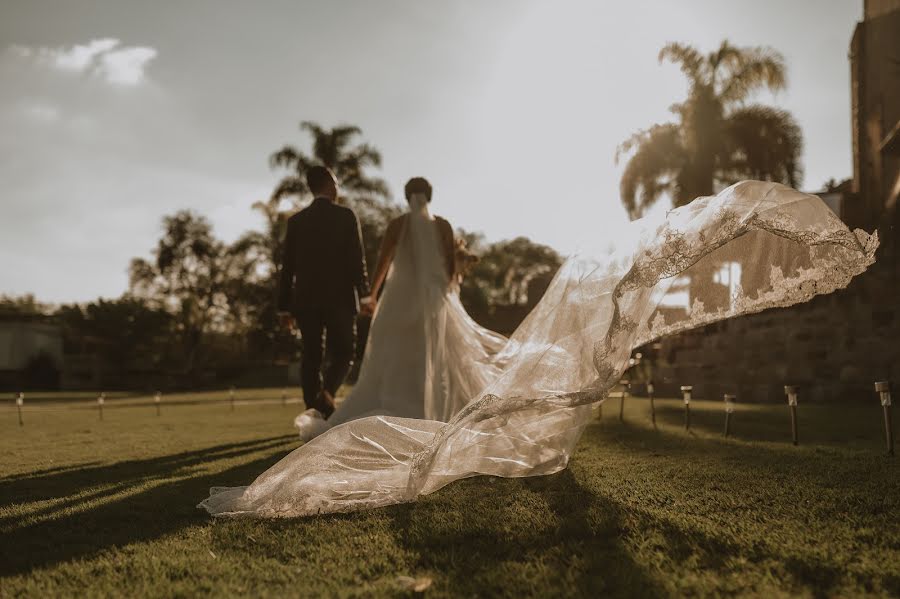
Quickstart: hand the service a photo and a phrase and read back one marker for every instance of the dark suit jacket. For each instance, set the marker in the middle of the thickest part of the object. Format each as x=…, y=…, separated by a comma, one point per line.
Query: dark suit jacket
x=323, y=265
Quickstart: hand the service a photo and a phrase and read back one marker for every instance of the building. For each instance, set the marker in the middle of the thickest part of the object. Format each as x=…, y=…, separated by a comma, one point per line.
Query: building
x=839, y=197
x=31, y=353
x=875, y=105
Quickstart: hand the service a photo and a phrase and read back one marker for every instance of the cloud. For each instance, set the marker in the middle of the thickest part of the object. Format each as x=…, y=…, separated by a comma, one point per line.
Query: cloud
x=41, y=111
x=125, y=66
x=103, y=58
x=79, y=57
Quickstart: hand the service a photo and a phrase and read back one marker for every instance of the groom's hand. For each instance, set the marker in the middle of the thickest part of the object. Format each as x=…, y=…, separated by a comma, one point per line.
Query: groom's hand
x=286, y=320
x=367, y=306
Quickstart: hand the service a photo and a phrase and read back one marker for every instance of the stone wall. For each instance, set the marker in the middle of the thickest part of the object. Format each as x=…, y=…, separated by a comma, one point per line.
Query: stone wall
x=834, y=347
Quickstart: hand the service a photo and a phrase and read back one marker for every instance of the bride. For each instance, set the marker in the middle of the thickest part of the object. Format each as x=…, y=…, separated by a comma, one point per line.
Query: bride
x=425, y=357
x=526, y=405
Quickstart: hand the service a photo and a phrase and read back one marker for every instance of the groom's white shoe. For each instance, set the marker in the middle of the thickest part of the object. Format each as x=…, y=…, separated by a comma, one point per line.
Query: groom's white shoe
x=310, y=424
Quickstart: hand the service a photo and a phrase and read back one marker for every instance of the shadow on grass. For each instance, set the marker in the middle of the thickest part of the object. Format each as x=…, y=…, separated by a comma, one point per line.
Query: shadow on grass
x=547, y=534
x=46, y=471
x=66, y=481
x=154, y=510
x=788, y=477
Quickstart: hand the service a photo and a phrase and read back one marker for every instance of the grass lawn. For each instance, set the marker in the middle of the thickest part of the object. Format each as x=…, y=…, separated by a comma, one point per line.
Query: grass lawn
x=93, y=508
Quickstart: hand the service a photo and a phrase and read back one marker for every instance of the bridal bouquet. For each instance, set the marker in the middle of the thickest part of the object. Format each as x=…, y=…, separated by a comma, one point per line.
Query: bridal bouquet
x=465, y=259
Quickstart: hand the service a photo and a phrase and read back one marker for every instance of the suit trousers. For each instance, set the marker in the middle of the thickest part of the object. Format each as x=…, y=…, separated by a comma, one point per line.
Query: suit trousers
x=335, y=329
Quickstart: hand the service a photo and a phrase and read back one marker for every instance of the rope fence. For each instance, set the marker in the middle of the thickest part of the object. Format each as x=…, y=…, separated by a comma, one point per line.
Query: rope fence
x=156, y=401
x=792, y=392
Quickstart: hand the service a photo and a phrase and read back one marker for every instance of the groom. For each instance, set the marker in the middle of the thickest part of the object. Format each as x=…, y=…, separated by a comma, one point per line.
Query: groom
x=323, y=281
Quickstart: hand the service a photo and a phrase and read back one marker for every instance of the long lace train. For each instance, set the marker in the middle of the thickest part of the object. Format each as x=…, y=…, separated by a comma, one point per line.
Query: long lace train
x=753, y=246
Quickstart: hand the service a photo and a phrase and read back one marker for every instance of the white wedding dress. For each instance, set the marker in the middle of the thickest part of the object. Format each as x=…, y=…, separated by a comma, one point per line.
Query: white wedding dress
x=777, y=246
x=425, y=357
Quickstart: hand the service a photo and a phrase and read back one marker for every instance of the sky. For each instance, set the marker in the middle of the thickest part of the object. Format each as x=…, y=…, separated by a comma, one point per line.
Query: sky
x=116, y=113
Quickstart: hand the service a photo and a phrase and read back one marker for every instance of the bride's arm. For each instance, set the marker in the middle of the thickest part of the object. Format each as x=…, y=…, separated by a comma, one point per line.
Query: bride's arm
x=386, y=254
x=448, y=246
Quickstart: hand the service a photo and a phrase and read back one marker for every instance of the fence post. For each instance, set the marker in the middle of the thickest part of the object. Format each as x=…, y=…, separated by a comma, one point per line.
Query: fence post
x=686, y=394
x=624, y=383
x=101, y=399
x=791, y=391
x=157, y=399
x=729, y=409
x=650, y=390
x=20, y=401
x=884, y=390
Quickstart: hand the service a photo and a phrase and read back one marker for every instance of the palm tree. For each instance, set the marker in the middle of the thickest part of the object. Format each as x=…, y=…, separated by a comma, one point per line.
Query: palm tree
x=331, y=148
x=717, y=138
x=367, y=195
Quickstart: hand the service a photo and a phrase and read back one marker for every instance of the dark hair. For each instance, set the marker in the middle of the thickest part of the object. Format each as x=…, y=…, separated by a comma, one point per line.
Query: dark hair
x=417, y=185
x=317, y=177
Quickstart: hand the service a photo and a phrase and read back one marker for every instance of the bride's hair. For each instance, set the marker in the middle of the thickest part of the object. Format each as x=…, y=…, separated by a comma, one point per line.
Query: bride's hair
x=417, y=185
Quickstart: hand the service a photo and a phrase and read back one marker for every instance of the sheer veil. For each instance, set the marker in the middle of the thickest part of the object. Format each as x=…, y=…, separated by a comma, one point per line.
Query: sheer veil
x=778, y=247
x=458, y=353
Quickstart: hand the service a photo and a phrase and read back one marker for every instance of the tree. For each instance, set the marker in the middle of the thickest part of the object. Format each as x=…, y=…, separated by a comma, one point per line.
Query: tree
x=248, y=285
x=332, y=148
x=507, y=268
x=504, y=274
x=189, y=279
x=717, y=138
x=25, y=305
x=124, y=332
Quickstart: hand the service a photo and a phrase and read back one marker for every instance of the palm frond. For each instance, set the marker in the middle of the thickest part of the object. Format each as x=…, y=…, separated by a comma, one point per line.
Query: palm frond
x=314, y=129
x=333, y=148
x=726, y=53
x=264, y=208
x=687, y=57
x=657, y=154
x=361, y=184
x=343, y=134
x=764, y=143
x=364, y=155
x=286, y=157
x=330, y=146
x=289, y=186
x=746, y=70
